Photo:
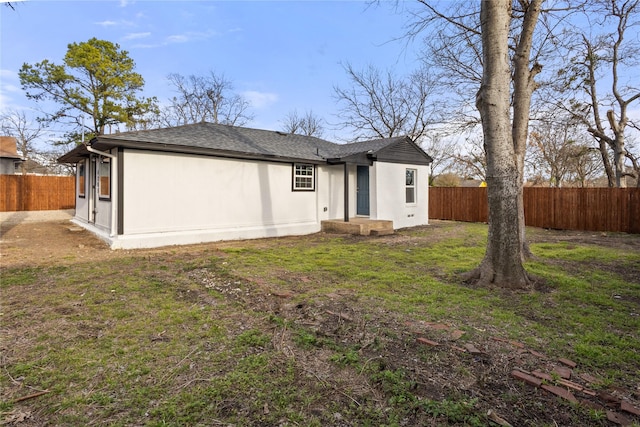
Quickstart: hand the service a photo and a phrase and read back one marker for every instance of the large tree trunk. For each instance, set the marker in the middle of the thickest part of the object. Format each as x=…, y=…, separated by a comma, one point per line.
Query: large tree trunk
x=523, y=86
x=502, y=264
x=619, y=160
x=608, y=168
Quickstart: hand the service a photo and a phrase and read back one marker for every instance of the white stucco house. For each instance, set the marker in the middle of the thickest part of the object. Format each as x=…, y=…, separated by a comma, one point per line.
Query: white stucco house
x=209, y=182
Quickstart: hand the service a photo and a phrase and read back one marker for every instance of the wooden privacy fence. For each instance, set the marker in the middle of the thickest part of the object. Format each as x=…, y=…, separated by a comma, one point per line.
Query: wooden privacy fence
x=36, y=192
x=589, y=209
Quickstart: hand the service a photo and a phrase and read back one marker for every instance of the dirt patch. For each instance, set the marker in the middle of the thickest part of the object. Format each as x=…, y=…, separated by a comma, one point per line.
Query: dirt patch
x=47, y=243
x=611, y=240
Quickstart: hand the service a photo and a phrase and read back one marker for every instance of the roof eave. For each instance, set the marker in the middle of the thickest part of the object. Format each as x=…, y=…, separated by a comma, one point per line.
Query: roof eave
x=74, y=156
x=106, y=144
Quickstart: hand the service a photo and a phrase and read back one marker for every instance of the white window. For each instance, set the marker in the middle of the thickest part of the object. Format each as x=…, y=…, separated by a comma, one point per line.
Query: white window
x=303, y=177
x=410, y=186
x=104, y=172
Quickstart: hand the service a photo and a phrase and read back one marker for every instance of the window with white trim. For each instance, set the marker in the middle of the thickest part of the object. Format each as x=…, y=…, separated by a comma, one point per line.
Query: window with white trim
x=410, y=186
x=303, y=177
x=104, y=174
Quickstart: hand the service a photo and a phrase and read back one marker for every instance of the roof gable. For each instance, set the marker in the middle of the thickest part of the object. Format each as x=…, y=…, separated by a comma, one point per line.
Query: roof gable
x=404, y=151
x=394, y=150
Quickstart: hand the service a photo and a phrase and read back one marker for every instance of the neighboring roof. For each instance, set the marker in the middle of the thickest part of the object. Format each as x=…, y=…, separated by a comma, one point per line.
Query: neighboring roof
x=238, y=142
x=471, y=183
x=8, y=148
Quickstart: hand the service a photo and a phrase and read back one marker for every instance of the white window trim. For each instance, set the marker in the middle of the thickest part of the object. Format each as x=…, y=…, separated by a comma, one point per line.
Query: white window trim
x=413, y=187
x=103, y=161
x=297, y=168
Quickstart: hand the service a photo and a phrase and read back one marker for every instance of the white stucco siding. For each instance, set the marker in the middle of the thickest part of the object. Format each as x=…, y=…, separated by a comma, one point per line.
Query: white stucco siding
x=82, y=202
x=373, y=193
x=388, y=194
x=330, y=187
x=103, y=214
x=353, y=190
x=177, y=192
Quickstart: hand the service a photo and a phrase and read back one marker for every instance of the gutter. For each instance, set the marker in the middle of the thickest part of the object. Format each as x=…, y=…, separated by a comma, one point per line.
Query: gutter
x=114, y=178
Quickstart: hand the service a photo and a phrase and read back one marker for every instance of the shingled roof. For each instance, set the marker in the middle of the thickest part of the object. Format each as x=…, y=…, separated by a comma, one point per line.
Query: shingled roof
x=8, y=148
x=236, y=142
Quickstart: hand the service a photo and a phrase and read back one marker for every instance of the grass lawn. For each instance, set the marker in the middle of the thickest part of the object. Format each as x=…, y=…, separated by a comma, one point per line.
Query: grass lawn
x=321, y=330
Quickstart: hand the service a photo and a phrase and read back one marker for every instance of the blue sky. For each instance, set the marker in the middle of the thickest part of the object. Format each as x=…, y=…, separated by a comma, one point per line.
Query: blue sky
x=281, y=55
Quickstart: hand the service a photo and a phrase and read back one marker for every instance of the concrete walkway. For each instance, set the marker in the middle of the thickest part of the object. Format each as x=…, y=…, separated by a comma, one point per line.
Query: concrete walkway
x=35, y=216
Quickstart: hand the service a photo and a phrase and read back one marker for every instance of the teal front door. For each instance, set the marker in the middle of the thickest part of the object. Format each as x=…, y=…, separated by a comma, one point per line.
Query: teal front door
x=362, y=191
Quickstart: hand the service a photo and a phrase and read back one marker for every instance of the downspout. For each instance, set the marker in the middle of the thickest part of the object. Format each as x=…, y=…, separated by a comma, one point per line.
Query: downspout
x=114, y=184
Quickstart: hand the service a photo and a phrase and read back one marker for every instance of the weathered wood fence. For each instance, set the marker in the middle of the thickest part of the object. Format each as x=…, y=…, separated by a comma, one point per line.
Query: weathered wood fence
x=589, y=209
x=36, y=192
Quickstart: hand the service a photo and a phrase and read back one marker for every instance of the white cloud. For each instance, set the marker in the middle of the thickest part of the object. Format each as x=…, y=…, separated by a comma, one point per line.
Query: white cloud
x=178, y=38
x=260, y=99
x=5, y=101
x=9, y=85
x=107, y=23
x=136, y=36
x=11, y=88
x=146, y=46
x=190, y=36
x=8, y=74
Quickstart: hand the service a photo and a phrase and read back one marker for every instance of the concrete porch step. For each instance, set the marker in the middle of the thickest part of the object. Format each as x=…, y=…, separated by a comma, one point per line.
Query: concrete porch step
x=381, y=232
x=359, y=226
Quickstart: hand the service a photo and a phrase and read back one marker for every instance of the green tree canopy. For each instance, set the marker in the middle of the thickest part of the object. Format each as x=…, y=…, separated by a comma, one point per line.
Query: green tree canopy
x=97, y=79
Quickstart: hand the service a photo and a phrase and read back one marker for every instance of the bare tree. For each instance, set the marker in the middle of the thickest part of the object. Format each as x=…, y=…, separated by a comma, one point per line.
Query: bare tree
x=448, y=179
x=381, y=105
x=553, y=147
x=633, y=154
x=605, y=58
x=15, y=123
x=453, y=52
x=27, y=132
x=471, y=163
x=585, y=165
x=205, y=98
x=441, y=148
x=308, y=124
x=503, y=138
x=559, y=151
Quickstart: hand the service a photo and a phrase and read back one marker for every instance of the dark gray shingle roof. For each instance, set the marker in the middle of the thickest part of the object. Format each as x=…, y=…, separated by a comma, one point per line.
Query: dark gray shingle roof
x=373, y=146
x=235, y=141
x=231, y=139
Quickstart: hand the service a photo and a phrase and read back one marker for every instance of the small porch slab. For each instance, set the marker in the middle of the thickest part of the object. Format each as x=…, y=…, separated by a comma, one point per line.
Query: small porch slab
x=358, y=226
